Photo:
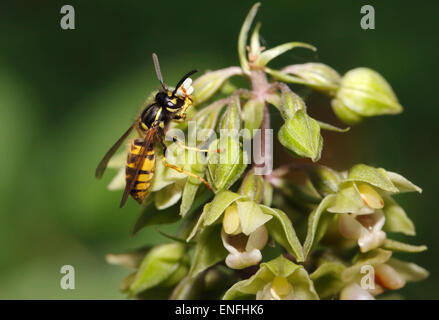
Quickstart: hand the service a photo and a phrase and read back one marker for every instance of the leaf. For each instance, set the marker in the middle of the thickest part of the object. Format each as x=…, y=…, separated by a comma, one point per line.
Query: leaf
x=396, y=218
x=282, y=231
x=242, y=39
x=158, y=265
x=327, y=279
x=226, y=167
x=373, y=257
x=150, y=215
x=313, y=224
x=209, y=250
x=301, y=135
x=266, y=56
x=402, y=183
x=411, y=272
x=251, y=216
x=376, y=177
x=402, y=247
x=330, y=127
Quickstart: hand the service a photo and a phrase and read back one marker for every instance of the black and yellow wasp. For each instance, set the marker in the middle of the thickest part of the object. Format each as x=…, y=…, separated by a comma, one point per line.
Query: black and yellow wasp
x=151, y=126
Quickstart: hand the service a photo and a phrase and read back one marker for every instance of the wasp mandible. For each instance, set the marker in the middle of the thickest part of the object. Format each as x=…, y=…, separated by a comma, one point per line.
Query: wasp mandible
x=151, y=126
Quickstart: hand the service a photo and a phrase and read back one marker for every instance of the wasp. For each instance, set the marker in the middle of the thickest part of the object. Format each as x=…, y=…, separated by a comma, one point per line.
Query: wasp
x=151, y=125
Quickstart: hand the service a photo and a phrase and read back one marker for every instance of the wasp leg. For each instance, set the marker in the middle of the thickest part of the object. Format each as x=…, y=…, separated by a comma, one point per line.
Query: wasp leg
x=183, y=146
x=169, y=165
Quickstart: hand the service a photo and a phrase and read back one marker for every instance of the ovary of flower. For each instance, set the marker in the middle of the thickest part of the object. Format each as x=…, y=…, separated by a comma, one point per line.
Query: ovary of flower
x=186, y=88
x=366, y=229
x=388, y=277
x=370, y=197
x=355, y=292
x=248, y=253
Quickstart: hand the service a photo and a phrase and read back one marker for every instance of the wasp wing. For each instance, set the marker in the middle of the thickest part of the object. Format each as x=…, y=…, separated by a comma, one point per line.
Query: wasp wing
x=150, y=138
x=104, y=162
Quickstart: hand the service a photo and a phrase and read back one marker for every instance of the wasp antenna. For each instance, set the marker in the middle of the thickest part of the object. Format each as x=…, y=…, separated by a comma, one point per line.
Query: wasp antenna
x=157, y=71
x=187, y=75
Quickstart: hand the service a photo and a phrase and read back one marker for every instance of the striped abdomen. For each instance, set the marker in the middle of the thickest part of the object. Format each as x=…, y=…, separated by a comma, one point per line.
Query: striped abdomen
x=146, y=173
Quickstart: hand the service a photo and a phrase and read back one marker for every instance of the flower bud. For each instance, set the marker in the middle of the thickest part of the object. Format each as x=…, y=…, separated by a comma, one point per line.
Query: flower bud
x=355, y=292
x=388, y=277
x=253, y=186
x=364, y=93
x=316, y=75
x=209, y=83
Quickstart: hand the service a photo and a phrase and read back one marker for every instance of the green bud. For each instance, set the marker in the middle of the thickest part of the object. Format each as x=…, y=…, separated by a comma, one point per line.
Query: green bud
x=290, y=103
x=301, y=135
x=161, y=264
x=252, y=114
x=316, y=75
x=226, y=167
x=325, y=180
x=209, y=83
x=231, y=119
x=364, y=93
x=253, y=186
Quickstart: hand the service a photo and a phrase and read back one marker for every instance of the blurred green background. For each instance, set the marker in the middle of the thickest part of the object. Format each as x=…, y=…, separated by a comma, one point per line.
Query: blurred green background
x=67, y=95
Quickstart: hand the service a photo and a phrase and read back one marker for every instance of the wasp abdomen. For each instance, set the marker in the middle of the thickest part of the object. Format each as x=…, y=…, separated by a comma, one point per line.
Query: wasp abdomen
x=146, y=173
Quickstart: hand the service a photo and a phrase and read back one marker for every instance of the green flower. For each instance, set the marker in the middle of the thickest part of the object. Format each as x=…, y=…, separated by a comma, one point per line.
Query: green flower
x=242, y=227
x=278, y=279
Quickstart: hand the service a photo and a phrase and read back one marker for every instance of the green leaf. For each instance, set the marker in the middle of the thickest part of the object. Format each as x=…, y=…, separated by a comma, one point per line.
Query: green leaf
x=312, y=236
x=402, y=183
x=402, y=247
x=327, y=279
x=209, y=249
x=301, y=135
x=396, y=218
x=266, y=56
x=242, y=39
x=226, y=167
x=330, y=127
x=150, y=215
x=158, y=265
x=373, y=257
x=251, y=216
x=282, y=231
x=411, y=272
x=376, y=177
